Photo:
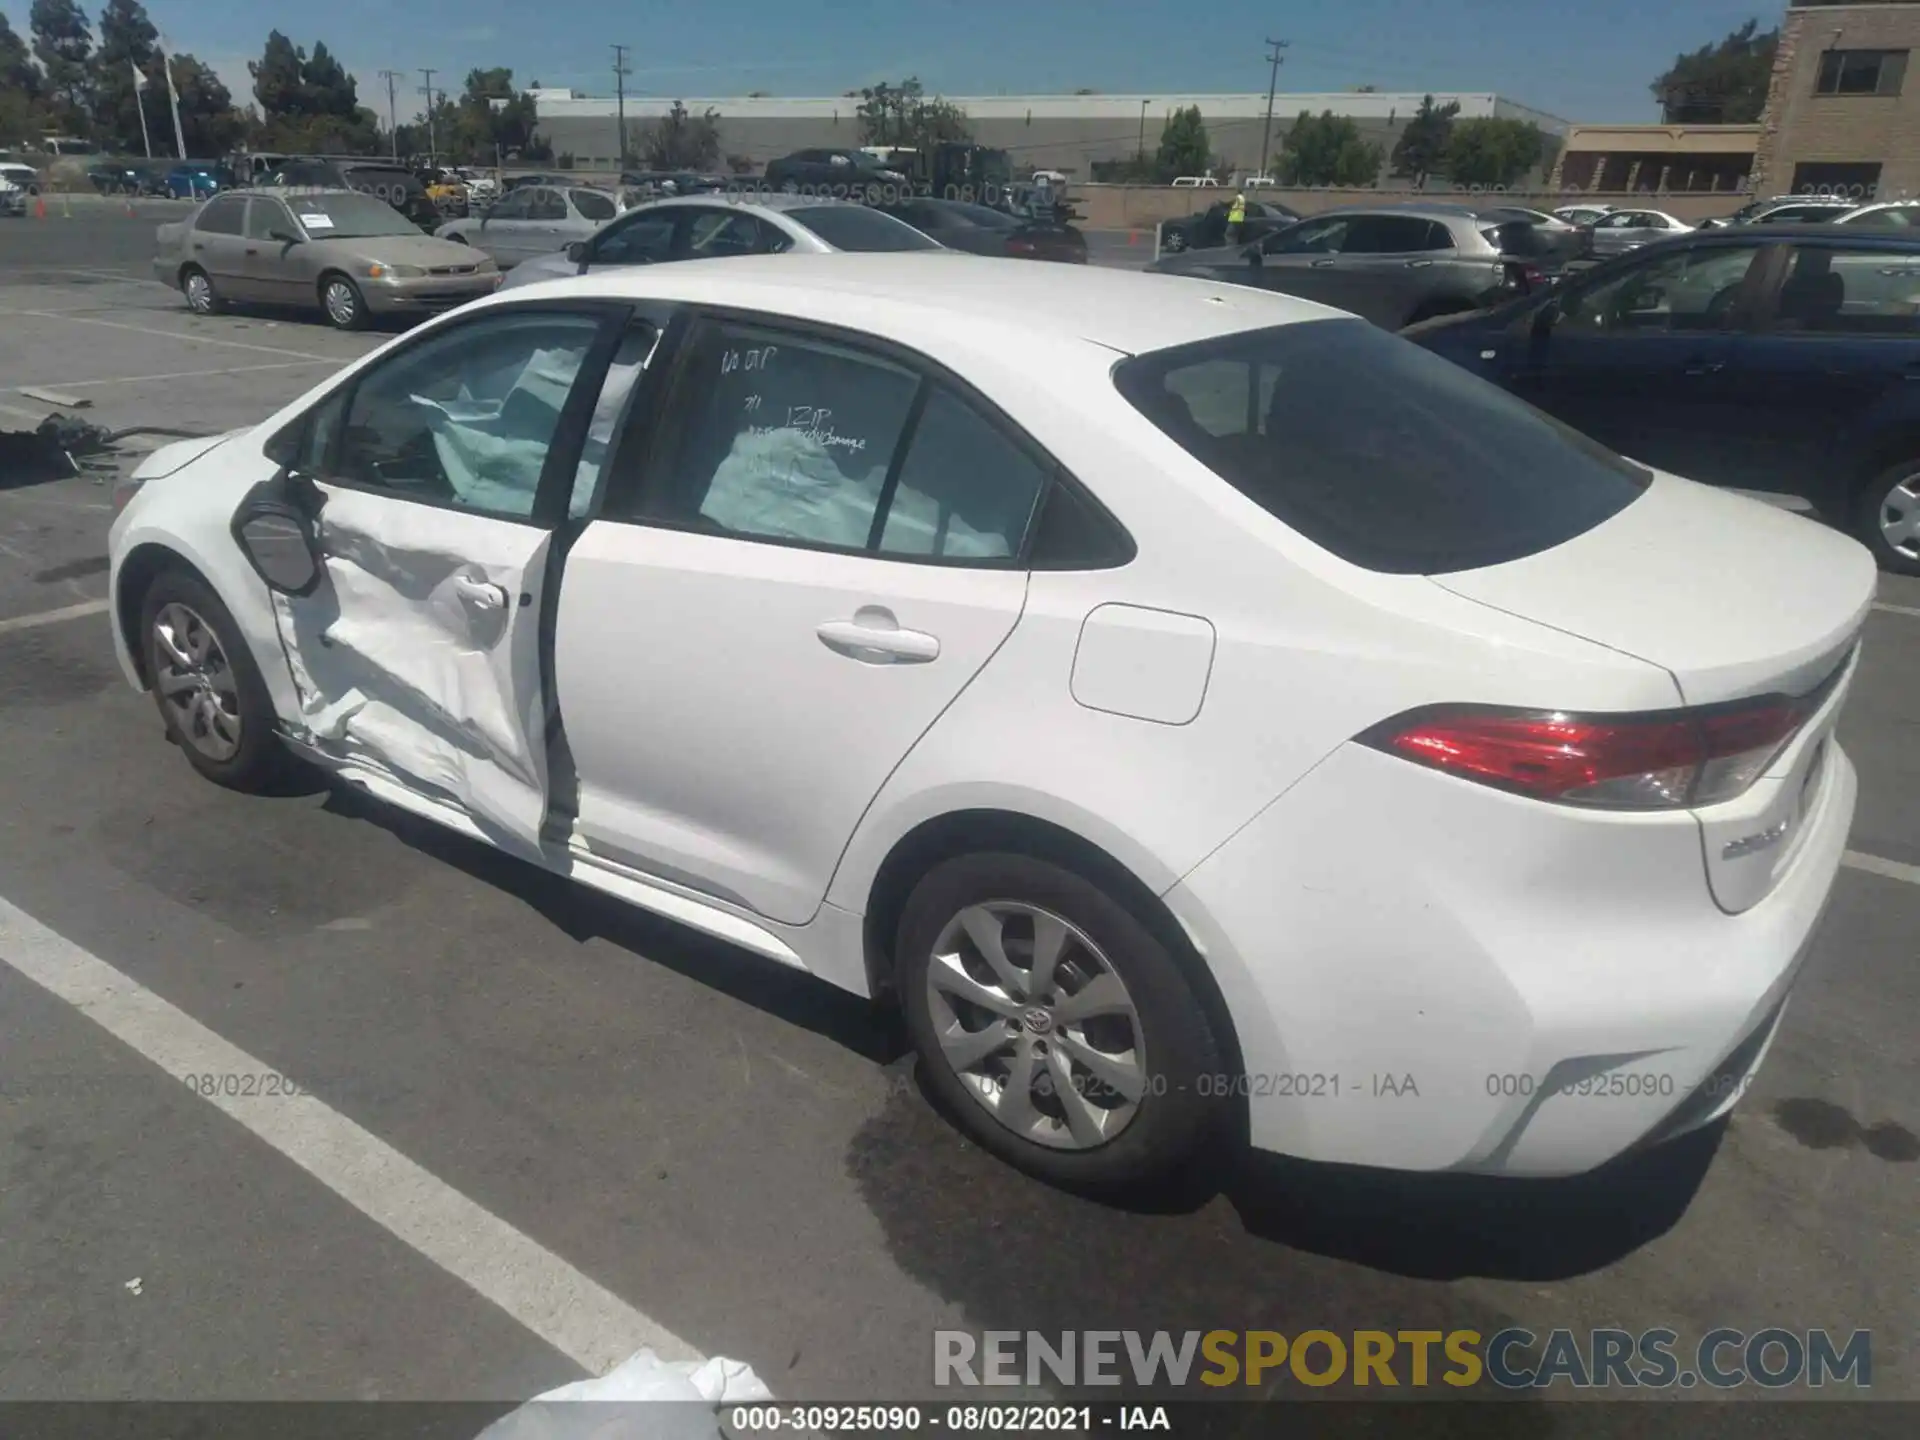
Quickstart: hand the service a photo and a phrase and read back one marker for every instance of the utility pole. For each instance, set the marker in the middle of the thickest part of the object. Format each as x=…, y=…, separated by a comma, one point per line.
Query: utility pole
x=393, y=119
x=620, y=73
x=433, y=146
x=1275, y=59
x=1141, y=149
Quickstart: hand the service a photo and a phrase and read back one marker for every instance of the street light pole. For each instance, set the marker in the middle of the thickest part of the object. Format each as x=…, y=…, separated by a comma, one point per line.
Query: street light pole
x=620, y=73
x=1141, y=149
x=1274, y=59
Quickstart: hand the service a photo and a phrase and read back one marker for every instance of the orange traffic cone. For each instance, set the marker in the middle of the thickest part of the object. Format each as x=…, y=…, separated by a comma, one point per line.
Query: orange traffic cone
x=40, y=207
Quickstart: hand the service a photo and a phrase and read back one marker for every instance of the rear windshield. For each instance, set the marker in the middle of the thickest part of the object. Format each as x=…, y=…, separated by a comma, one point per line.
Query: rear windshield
x=1377, y=450
x=855, y=227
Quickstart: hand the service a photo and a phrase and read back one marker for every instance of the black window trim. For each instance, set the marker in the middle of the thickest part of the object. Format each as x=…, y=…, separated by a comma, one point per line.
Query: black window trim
x=1882, y=54
x=632, y=463
x=557, y=472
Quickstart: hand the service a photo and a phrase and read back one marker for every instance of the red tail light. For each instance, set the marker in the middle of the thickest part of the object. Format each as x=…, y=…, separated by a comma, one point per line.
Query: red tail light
x=1661, y=760
x=1020, y=245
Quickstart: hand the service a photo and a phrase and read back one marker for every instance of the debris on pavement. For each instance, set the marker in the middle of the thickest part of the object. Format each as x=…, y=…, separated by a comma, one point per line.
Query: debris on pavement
x=61, y=446
x=56, y=397
x=642, y=1398
x=133, y=1285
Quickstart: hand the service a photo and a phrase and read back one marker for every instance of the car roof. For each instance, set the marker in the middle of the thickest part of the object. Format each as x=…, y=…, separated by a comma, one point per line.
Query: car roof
x=908, y=297
x=1757, y=235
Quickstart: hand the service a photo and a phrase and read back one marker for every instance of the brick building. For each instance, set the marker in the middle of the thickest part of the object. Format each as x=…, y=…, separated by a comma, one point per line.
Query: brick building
x=1843, y=107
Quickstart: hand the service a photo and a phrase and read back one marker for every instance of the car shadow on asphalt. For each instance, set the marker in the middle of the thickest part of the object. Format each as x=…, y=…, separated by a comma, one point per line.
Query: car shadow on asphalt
x=1404, y=1228
x=584, y=914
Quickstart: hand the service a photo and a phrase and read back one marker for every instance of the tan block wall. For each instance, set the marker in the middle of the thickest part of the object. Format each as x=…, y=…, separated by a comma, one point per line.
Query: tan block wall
x=1800, y=126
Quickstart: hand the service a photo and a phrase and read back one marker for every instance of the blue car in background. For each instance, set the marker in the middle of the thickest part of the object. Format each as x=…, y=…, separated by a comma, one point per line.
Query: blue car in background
x=1777, y=358
x=192, y=180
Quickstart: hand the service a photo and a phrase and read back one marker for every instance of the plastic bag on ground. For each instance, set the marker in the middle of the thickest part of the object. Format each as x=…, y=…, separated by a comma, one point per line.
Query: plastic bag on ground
x=643, y=1398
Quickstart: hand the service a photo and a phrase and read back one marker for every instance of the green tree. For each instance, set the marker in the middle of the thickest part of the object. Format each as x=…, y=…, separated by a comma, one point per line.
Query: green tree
x=1493, y=151
x=1416, y=154
x=1327, y=149
x=63, y=43
x=682, y=141
x=309, y=103
x=1724, y=84
x=17, y=73
x=902, y=115
x=496, y=119
x=1184, y=146
x=128, y=41
x=209, y=121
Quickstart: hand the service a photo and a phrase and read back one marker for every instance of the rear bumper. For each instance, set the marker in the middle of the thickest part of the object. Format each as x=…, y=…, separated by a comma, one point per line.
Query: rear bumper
x=166, y=271
x=1426, y=974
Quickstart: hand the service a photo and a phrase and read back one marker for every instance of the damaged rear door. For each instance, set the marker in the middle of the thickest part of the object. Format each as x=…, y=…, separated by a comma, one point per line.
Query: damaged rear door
x=435, y=482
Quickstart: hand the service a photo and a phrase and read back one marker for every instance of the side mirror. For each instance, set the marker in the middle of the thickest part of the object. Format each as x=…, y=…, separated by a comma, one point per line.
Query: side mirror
x=284, y=237
x=278, y=539
x=1546, y=317
x=577, y=252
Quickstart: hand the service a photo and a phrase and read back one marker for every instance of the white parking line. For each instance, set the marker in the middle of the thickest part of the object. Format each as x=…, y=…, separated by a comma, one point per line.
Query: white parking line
x=181, y=335
x=187, y=374
x=1892, y=869
x=54, y=617
x=578, y=1317
x=1897, y=609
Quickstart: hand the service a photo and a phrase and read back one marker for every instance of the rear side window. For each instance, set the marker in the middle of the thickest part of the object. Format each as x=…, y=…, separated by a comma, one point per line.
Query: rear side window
x=592, y=206
x=1393, y=235
x=221, y=217
x=1377, y=450
x=855, y=227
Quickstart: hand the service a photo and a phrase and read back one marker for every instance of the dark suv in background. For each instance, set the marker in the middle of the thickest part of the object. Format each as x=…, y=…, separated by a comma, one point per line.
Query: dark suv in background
x=395, y=184
x=829, y=169
x=1761, y=357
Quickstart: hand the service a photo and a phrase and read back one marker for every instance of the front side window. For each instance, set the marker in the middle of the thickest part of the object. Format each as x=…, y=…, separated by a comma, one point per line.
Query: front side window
x=855, y=227
x=266, y=216
x=465, y=417
x=779, y=438
x=642, y=239
x=547, y=205
x=1383, y=453
x=221, y=217
x=722, y=232
x=594, y=206
x=513, y=206
x=1861, y=72
x=1309, y=237
x=1392, y=235
x=1694, y=290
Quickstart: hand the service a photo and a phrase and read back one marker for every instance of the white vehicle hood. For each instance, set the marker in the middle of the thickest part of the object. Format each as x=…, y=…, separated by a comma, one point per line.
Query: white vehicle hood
x=180, y=454
x=542, y=267
x=1731, y=596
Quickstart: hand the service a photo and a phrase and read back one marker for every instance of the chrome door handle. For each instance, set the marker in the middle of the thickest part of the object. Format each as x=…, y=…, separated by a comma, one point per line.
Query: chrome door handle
x=1705, y=367
x=1418, y=264
x=873, y=637
x=480, y=594
x=1321, y=264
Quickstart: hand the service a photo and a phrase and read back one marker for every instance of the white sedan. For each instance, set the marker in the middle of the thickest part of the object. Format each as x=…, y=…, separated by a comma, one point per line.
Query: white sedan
x=702, y=227
x=1202, y=712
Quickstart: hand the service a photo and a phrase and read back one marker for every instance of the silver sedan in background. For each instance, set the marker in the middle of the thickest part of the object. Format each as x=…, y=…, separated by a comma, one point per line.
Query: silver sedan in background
x=532, y=220
x=1625, y=230
x=708, y=226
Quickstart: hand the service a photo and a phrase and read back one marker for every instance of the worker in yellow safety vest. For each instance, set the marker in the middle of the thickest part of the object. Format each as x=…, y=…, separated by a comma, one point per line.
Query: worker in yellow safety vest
x=1237, y=217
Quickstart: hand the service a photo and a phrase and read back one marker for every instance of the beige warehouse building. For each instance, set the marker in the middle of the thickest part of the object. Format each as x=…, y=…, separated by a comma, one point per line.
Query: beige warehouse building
x=1843, y=108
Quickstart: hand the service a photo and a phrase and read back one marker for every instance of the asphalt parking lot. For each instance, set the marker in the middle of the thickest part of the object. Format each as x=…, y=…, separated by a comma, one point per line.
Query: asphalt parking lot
x=538, y=1132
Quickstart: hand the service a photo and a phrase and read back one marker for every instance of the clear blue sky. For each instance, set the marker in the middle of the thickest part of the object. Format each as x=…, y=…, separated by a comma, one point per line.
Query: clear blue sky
x=1579, y=59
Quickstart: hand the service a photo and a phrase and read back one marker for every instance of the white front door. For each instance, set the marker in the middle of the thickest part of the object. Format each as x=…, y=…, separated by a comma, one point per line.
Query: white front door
x=418, y=656
x=816, y=563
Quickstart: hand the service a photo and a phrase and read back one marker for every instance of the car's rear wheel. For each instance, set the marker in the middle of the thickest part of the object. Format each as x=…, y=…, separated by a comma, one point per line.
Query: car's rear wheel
x=1887, y=517
x=346, y=308
x=1056, y=1028
x=209, y=692
x=1174, y=242
x=197, y=285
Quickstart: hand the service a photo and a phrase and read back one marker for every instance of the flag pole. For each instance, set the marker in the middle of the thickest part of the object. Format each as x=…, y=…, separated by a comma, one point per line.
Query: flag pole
x=173, y=96
x=139, y=84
